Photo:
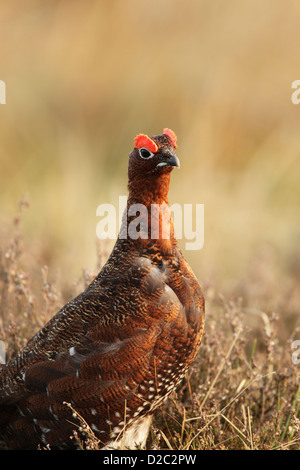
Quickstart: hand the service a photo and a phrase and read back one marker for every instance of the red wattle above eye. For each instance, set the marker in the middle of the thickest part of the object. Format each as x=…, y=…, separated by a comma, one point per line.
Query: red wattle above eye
x=142, y=140
x=172, y=136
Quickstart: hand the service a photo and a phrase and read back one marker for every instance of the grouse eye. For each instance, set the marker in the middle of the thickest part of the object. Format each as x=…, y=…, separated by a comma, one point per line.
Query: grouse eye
x=145, y=153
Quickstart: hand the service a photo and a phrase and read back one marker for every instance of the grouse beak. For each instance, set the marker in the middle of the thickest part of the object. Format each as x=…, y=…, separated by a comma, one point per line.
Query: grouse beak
x=173, y=161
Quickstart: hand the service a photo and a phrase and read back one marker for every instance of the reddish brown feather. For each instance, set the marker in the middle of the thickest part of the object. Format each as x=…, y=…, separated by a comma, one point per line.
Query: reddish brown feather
x=119, y=348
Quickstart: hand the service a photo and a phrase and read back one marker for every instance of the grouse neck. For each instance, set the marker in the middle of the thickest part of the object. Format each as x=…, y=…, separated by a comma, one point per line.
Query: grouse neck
x=148, y=213
x=151, y=190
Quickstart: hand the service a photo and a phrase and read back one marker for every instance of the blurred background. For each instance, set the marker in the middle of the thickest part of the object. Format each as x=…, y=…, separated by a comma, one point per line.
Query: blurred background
x=83, y=78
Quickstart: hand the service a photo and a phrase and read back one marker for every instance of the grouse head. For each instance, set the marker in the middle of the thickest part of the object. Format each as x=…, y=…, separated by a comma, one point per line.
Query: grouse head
x=149, y=169
x=150, y=165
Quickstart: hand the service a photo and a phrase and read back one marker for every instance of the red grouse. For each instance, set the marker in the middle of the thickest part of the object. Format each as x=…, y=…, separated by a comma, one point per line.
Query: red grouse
x=121, y=347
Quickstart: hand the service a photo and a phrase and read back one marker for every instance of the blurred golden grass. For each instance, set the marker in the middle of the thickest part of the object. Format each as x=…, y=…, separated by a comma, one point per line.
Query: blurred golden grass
x=83, y=79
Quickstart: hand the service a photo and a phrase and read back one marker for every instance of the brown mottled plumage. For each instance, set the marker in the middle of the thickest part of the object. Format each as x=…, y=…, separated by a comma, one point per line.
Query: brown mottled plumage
x=117, y=350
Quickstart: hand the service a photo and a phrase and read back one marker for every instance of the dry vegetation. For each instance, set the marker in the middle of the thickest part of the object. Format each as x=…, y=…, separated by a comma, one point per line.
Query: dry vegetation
x=81, y=82
x=243, y=391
